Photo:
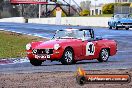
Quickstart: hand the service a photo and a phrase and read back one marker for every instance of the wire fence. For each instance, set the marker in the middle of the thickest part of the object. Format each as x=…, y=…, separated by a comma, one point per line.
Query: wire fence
x=122, y=9
x=31, y=10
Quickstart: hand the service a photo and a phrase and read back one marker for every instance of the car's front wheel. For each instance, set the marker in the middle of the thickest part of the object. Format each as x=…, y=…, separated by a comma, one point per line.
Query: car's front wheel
x=68, y=57
x=110, y=27
x=127, y=28
x=104, y=55
x=116, y=28
x=36, y=62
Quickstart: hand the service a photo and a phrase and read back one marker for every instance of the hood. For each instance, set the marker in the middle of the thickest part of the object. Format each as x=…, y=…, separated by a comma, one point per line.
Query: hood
x=50, y=44
x=125, y=20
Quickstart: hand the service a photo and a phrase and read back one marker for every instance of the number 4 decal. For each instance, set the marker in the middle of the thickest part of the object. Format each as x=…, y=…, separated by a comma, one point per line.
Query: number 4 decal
x=90, y=49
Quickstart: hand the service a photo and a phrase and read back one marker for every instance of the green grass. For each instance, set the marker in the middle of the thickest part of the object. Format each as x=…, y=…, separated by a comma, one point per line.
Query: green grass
x=12, y=45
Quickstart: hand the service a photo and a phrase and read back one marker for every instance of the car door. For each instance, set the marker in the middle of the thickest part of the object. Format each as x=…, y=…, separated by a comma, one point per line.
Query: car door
x=90, y=49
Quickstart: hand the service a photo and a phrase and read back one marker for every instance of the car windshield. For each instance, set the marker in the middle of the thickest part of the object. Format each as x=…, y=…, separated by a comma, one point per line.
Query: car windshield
x=122, y=16
x=69, y=33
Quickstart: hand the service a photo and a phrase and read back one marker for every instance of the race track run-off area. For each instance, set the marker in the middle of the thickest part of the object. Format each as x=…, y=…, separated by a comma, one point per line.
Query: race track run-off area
x=122, y=60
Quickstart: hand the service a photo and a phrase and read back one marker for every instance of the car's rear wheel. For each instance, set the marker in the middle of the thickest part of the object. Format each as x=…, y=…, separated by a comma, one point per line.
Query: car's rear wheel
x=36, y=62
x=68, y=57
x=104, y=55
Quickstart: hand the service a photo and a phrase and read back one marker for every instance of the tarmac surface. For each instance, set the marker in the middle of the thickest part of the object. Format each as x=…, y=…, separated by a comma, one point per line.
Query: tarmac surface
x=122, y=60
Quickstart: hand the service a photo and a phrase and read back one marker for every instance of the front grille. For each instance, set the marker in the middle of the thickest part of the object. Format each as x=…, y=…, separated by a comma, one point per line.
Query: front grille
x=43, y=51
x=127, y=23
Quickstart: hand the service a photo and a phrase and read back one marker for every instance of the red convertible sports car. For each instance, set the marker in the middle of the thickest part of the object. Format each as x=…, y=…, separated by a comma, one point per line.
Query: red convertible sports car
x=71, y=45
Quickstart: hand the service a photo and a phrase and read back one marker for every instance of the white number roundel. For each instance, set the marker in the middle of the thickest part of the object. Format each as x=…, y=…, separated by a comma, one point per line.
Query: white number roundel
x=90, y=49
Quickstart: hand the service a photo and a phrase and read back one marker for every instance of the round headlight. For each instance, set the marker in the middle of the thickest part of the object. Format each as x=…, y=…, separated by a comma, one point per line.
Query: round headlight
x=56, y=46
x=28, y=46
x=34, y=51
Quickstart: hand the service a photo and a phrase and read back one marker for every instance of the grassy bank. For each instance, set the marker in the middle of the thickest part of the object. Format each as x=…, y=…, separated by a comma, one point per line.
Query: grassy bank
x=12, y=45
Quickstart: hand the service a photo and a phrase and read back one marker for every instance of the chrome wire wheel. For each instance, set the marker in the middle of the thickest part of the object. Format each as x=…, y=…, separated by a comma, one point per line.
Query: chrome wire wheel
x=104, y=55
x=68, y=57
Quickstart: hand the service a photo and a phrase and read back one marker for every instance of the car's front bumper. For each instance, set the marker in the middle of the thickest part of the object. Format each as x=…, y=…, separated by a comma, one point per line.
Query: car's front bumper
x=57, y=55
x=124, y=26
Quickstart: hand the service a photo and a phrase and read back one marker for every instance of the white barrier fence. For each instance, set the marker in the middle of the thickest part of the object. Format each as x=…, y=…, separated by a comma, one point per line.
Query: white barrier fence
x=13, y=19
x=83, y=21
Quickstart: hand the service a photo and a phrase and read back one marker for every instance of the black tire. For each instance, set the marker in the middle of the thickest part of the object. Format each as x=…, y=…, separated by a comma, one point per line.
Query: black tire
x=110, y=27
x=68, y=57
x=116, y=28
x=104, y=55
x=127, y=28
x=36, y=62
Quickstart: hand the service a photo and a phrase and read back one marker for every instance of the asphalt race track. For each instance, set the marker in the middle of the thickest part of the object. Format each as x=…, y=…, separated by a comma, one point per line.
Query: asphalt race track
x=123, y=59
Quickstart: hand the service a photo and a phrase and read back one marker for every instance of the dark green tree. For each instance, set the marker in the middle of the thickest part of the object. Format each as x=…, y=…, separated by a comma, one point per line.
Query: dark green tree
x=108, y=8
